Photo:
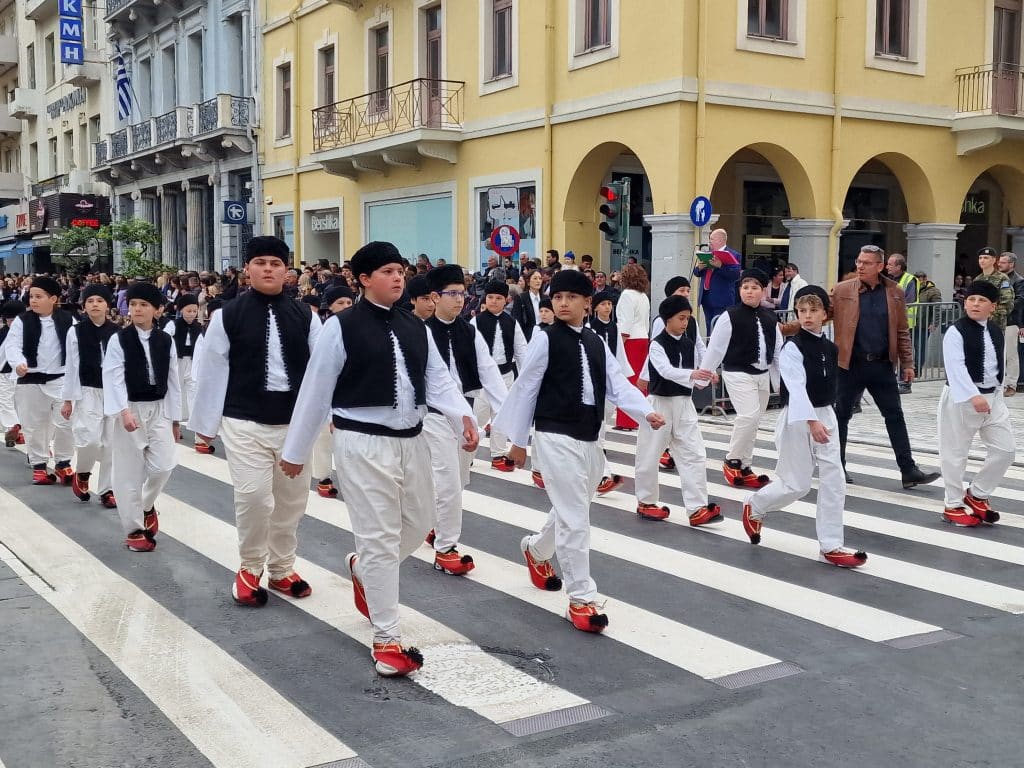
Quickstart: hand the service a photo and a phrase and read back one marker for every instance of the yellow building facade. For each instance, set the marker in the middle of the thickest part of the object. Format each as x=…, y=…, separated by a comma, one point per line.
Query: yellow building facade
x=813, y=127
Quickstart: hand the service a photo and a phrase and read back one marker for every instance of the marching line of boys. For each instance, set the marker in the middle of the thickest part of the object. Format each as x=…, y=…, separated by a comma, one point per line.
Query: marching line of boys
x=267, y=376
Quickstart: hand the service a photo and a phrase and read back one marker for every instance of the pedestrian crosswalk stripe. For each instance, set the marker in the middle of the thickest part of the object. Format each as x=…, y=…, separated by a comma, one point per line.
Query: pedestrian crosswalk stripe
x=208, y=695
x=682, y=646
x=457, y=669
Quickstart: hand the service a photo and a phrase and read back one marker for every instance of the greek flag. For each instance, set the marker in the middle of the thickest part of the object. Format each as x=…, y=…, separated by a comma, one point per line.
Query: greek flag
x=124, y=87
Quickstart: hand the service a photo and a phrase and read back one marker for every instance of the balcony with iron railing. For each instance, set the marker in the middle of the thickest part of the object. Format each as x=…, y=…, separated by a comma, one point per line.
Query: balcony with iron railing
x=989, y=105
x=217, y=127
x=395, y=126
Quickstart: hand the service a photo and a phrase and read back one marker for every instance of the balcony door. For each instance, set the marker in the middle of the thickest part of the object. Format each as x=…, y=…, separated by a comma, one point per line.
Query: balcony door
x=430, y=91
x=1006, y=69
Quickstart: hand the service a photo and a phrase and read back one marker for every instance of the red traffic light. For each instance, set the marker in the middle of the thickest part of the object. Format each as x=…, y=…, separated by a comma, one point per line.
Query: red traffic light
x=609, y=194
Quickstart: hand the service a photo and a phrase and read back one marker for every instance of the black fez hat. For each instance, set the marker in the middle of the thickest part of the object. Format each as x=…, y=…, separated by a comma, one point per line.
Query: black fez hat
x=496, y=286
x=983, y=288
x=336, y=292
x=48, y=284
x=11, y=308
x=571, y=281
x=313, y=301
x=814, y=290
x=545, y=303
x=450, y=274
x=675, y=283
x=96, y=289
x=373, y=256
x=672, y=306
x=266, y=245
x=754, y=274
x=184, y=300
x=418, y=287
x=602, y=296
x=145, y=291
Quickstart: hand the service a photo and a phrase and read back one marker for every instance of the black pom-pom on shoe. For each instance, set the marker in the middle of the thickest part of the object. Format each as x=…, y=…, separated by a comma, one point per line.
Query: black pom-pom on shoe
x=298, y=589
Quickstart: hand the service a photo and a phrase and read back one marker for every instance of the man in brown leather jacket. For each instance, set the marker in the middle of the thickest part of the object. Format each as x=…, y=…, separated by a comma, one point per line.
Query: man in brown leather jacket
x=870, y=322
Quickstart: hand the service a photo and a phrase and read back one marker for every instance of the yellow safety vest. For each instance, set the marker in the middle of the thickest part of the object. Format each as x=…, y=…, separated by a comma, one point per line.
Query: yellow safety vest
x=904, y=281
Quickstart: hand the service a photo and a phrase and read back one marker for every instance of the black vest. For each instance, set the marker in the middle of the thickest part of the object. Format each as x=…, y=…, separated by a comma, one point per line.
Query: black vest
x=560, y=407
x=741, y=353
x=245, y=322
x=608, y=331
x=974, y=347
x=369, y=377
x=4, y=330
x=136, y=372
x=462, y=336
x=92, y=345
x=487, y=323
x=190, y=331
x=522, y=310
x=32, y=332
x=681, y=353
x=821, y=368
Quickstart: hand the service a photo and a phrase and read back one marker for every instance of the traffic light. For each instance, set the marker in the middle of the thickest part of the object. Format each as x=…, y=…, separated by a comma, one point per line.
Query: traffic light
x=615, y=211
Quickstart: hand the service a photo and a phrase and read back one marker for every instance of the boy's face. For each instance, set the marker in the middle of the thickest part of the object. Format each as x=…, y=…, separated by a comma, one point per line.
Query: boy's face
x=190, y=313
x=751, y=292
x=604, y=310
x=450, y=301
x=384, y=285
x=811, y=316
x=339, y=304
x=570, y=307
x=266, y=274
x=96, y=309
x=423, y=307
x=495, y=303
x=547, y=315
x=141, y=313
x=683, y=290
x=978, y=307
x=676, y=325
x=40, y=302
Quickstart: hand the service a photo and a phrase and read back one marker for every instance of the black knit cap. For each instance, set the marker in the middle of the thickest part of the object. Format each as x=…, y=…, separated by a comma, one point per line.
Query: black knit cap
x=96, y=289
x=336, y=292
x=373, y=256
x=266, y=245
x=496, y=286
x=313, y=301
x=675, y=283
x=48, y=284
x=418, y=287
x=571, y=281
x=185, y=300
x=440, y=278
x=11, y=308
x=983, y=288
x=814, y=290
x=672, y=306
x=545, y=303
x=754, y=274
x=601, y=296
x=145, y=291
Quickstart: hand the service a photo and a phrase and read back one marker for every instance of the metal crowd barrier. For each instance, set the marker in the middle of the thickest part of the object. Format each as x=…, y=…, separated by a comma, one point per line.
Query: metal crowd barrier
x=928, y=322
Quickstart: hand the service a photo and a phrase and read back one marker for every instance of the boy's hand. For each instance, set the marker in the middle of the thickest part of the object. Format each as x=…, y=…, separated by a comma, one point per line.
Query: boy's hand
x=518, y=455
x=470, y=435
x=656, y=420
x=980, y=404
x=702, y=375
x=289, y=469
x=66, y=409
x=819, y=432
x=176, y=430
x=641, y=384
x=21, y=370
x=128, y=420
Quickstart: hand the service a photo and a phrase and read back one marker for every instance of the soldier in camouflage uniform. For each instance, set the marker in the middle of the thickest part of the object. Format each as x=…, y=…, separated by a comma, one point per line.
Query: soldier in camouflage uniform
x=987, y=258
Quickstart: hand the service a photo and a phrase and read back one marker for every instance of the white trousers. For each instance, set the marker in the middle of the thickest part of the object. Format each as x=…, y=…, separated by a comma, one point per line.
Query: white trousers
x=498, y=444
x=187, y=385
x=1012, y=372
x=609, y=420
x=451, y=467
x=749, y=395
x=681, y=434
x=92, y=434
x=321, y=462
x=39, y=405
x=8, y=414
x=798, y=455
x=268, y=504
x=389, y=490
x=143, y=461
x=570, y=487
x=958, y=424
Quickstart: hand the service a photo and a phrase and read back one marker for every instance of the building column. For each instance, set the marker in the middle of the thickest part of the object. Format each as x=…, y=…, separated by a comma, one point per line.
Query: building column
x=672, y=241
x=808, y=248
x=168, y=241
x=195, y=246
x=932, y=248
x=1016, y=235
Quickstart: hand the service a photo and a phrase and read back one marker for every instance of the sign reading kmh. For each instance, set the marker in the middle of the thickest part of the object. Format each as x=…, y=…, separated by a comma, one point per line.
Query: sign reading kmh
x=72, y=32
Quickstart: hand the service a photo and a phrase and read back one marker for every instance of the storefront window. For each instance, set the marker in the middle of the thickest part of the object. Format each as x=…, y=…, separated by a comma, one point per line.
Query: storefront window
x=511, y=205
x=284, y=228
x=415, y=226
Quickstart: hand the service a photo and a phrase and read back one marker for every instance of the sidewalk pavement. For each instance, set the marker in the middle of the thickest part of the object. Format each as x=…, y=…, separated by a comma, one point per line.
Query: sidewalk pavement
x=920, y=409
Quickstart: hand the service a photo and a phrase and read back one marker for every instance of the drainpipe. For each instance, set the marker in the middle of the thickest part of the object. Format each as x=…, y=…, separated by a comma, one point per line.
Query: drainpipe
x=835, y=193
x=296, y=133
x=549, y=97
x=702, y=76
x=255, y=117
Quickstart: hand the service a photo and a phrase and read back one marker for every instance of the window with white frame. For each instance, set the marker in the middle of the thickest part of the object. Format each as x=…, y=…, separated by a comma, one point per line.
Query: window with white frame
x=501, y=39
x=284, y=228
x=379, y=70
x=593, y=31
x=896, y=35
x=284, y=100
x=327, y=78
x=768, y=18
x=597, y=31
x=775, y=27
x=892, y=28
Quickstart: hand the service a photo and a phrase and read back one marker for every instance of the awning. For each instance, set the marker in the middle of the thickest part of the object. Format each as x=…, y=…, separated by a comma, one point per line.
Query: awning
x=6, y=249
x=19, y=248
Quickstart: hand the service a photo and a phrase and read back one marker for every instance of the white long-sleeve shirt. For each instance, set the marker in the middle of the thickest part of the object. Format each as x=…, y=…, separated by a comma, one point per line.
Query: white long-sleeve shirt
x=48, y=354
x=499, y=353
x=325, y=365
x=657, y=359
x=721, y=335
x=517, y=413
x=633, y=314
x=794, y=375
x=961, y=386
x=212, y=386
x=493, y=385
x=115, y=391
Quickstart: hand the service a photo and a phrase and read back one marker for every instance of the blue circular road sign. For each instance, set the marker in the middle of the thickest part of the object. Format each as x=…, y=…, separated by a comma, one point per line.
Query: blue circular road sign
x=700, y=211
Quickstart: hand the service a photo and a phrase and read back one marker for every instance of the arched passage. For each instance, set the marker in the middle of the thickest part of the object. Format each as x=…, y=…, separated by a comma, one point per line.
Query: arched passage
x=993, y=206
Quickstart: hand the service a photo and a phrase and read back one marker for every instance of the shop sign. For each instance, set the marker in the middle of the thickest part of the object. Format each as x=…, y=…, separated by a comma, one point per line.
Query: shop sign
x=66, y=103
x=324, y=221
x=91, y=223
